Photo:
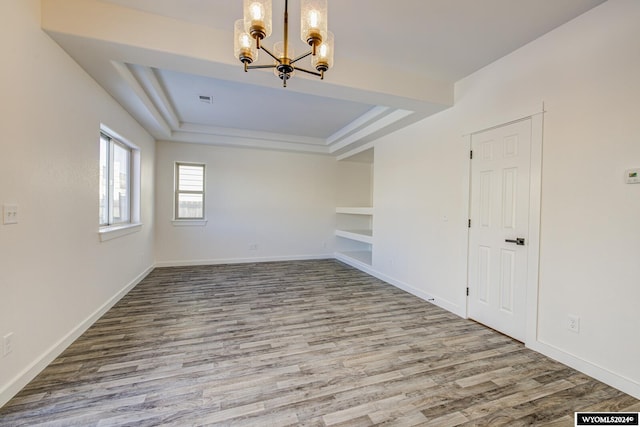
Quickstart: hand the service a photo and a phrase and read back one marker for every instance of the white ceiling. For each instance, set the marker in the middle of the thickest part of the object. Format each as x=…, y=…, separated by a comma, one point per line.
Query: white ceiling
x=183, y=91
x=396, y=62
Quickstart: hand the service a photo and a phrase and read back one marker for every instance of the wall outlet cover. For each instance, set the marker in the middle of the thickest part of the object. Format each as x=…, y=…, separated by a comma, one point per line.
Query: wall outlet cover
x=10, y=214
x=7, y=344
x=573, y=323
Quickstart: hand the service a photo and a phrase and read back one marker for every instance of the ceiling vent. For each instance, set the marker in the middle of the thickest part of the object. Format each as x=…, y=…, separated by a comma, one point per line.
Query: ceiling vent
x=205, y=98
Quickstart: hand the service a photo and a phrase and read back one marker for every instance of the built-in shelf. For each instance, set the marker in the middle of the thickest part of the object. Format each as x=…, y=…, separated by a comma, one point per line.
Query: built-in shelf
x=364, y=236
x=354, y=214
x=355, y=211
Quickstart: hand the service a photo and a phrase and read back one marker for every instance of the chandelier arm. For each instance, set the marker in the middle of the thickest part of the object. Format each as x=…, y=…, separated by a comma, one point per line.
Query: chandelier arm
x=308, y=71
x=301, y=57
x=254, y=67
x=270, y=54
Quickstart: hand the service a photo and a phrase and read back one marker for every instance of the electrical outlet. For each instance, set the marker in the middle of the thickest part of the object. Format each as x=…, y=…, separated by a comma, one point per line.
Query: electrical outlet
x=10, y=214
x=573, y=323
x=7, y=344
x=253, y=247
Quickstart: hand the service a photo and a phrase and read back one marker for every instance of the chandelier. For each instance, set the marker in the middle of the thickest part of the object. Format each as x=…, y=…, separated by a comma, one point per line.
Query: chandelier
x=256, y=26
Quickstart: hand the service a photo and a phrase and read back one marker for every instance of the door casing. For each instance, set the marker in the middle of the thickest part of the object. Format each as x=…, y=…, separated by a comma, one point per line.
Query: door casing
x=535, y=192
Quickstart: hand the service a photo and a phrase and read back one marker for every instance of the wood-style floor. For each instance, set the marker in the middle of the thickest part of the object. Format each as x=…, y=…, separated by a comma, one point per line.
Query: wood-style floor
x=308, y=343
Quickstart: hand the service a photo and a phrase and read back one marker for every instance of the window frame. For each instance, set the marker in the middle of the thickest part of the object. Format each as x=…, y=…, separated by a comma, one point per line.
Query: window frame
x=110, y=179
x=111, y=229
x=177, y=219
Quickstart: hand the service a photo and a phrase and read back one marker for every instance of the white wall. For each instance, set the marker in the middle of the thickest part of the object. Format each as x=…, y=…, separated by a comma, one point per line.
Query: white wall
x=354, y=183
x=282, y=202
x=55, y=275
x=420, y=210
x=586, y=73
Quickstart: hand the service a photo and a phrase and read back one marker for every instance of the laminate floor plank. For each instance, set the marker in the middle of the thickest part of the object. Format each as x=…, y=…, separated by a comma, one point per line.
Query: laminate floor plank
x=298, y=343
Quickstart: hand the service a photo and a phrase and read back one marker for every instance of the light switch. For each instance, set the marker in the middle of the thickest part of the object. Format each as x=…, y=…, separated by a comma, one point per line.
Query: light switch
x=632, y=176
x=10, y=214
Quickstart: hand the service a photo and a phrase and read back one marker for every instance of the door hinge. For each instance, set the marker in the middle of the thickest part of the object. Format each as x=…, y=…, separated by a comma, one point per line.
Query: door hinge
x=467, y=291
x=469, y=225
x=471, y=154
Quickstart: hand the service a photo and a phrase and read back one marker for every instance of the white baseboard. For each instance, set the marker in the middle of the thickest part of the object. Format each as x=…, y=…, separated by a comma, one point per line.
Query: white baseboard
x=182, y=263
x=593, y=370
x=354, y=263
x=30, y=372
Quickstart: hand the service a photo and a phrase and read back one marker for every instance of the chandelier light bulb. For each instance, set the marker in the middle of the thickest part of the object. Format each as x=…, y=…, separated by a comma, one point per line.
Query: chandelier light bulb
x=313, y=25
x=244, y=48
x=314, y=19
x=245, y=41
x=257, y=19
x=257, y=12
x=324, y=59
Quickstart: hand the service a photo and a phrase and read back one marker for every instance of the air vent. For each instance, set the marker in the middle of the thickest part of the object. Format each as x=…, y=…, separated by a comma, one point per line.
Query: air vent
x=205, y=98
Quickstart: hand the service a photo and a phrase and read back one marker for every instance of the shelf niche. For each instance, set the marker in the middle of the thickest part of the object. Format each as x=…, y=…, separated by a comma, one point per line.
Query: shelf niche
x=354, y=216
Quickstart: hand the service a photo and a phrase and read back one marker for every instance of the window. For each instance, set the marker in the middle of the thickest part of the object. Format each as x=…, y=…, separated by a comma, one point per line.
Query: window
x=189, y=188
x=119, y=192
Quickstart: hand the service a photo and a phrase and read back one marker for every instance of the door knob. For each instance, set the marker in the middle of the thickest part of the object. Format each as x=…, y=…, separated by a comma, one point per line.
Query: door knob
x=518, y=241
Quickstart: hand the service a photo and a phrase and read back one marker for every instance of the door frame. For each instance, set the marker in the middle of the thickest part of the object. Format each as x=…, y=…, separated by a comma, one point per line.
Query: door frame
x=535, y=193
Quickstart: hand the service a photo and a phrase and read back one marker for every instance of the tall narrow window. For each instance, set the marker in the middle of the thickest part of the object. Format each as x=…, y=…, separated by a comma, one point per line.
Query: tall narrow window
x=189, y=186
x=115, y=181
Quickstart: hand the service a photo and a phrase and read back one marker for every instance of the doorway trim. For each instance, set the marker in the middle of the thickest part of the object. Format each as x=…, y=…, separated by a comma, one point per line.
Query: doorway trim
x=535, y=205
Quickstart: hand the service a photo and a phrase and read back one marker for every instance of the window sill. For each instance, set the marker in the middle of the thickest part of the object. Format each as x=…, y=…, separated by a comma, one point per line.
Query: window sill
x=189, y=222
x=114, y=231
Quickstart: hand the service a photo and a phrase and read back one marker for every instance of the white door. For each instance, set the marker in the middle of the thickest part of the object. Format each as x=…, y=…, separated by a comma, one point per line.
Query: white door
x=498, y=235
